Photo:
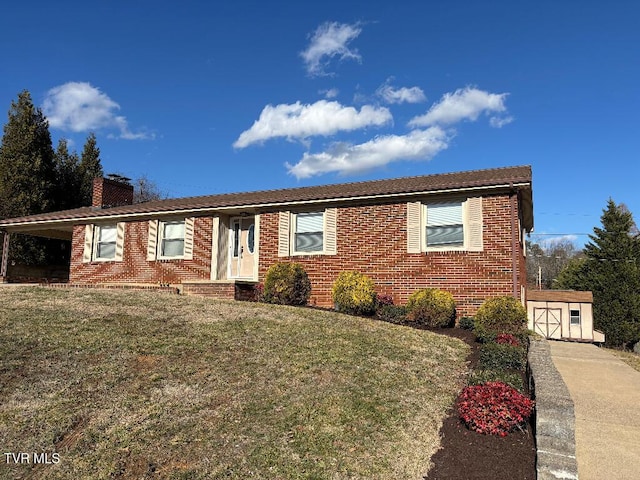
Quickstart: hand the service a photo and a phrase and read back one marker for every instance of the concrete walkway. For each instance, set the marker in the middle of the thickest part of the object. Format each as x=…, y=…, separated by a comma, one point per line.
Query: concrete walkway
x=606, y=395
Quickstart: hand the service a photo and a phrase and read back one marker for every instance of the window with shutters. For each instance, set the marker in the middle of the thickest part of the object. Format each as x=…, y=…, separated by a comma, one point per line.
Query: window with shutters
x=447, y=225
x=104, y=242
x=171, y=239
x=308, y=232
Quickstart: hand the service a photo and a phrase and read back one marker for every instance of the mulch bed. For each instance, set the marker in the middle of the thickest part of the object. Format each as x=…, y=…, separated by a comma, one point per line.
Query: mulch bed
x=467, y=455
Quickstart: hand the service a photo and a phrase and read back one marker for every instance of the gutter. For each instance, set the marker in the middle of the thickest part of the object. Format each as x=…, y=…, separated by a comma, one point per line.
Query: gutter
x=90, y=219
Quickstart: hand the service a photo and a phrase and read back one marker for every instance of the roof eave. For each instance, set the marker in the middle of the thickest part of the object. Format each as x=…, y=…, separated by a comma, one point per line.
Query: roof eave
x=61, y=223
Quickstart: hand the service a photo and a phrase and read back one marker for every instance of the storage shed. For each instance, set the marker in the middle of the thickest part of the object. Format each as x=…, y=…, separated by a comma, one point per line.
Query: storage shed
x=562, y=315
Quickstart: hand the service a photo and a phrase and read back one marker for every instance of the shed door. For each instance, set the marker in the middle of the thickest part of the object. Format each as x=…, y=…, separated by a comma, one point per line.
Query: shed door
x=548, y=322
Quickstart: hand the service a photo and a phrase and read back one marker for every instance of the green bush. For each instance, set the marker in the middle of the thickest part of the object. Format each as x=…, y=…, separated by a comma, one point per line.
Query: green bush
x=467, y=323
x=494, y=356
x=393, y=313
x=431, y=307
x=500, y=315
x=354, y=293
x=286, y=284
x=513, y=379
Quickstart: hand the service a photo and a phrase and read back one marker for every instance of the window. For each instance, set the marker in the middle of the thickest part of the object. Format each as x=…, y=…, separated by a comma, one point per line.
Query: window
x=251, y=238
x=574, y=315
x=172, y=235
x=309, y=232
x=444, y=225
x=105, y=242
x=236, y=239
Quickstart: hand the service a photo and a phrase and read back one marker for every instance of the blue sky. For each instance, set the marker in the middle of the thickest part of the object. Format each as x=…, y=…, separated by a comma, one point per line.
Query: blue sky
x=213, y=97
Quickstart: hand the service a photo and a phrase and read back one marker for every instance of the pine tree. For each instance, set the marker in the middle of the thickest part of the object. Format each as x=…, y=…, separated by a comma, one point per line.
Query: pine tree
x=611, y=271
x=69, y=181
x=90, y=167
x=27, y=173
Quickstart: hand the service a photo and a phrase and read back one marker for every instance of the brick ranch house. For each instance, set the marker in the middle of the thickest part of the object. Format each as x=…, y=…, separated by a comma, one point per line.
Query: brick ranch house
x=461, y=232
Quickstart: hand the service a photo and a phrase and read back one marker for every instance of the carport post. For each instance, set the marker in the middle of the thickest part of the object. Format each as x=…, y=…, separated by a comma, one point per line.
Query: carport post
x=5, y=257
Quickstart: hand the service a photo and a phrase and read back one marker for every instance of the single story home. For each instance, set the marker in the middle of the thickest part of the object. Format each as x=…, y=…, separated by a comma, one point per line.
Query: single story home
x=562, y=315
x=462, y=232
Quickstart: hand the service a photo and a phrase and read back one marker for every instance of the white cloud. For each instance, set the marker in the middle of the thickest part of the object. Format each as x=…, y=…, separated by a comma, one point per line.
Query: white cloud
x=400, y=95
x=464, y=104
x=330, y=93
x=81, y=107
x=499, y=122
x=300, y=121
x=330, y=40
x=349, y=159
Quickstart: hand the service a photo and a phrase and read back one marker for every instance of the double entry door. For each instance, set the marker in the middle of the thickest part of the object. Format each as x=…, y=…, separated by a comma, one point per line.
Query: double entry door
x=242, y=247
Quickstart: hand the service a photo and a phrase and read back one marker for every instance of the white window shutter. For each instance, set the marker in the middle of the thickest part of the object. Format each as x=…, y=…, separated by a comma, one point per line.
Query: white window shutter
x=330, y=234
x=152, y=245
x=188, y=238
x=119, y=241
x=214, y=248
x=474, y=219
x=88, y=244
x=283, y=234
x=414, y=231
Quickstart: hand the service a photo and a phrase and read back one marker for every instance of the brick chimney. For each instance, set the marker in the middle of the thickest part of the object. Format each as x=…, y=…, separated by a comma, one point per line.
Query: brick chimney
x=111, y=192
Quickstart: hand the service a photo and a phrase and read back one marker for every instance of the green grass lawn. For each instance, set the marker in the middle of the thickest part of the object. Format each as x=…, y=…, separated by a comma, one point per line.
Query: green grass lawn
x=150, y=385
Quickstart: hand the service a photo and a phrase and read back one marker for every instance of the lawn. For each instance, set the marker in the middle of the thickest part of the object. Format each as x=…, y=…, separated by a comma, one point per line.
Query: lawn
x=151, y=385
x=630, y=358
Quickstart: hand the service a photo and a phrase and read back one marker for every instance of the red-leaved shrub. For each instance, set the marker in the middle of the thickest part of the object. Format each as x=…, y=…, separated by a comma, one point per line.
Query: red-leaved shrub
x=493, y=408
x=507, y=339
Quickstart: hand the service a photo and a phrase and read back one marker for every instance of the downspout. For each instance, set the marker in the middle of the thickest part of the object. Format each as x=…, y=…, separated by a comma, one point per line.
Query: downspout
x=514, y=240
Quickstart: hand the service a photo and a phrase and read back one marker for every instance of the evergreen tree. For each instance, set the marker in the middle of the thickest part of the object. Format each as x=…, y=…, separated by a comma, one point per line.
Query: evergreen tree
x=611, y=270
x=68, y=185
x=90, y=167
x=27, y=173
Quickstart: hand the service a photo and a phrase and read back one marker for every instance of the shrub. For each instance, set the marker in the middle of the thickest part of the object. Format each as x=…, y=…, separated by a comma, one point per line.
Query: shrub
x=286, y=284
x=494, y=408
x=467, y=323
x=383, y=300
x=258, y=292
x=478, y=377
x=507, y=339
x=494, y=356
x=393, y=313
x=500, y=315
x=431, y=307
x=353, y=292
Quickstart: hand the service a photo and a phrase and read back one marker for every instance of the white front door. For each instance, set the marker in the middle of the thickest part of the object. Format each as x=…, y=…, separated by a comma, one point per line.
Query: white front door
x=242, y=246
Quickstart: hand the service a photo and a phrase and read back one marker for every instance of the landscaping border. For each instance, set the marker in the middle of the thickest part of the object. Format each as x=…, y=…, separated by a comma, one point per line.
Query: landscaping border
x=555, y=416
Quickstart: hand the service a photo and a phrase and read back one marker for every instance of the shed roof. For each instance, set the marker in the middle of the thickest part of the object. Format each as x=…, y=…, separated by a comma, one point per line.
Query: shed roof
x=573, y=296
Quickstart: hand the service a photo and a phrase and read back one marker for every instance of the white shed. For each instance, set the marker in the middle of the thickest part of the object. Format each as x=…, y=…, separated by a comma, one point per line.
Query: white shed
x=562, y=315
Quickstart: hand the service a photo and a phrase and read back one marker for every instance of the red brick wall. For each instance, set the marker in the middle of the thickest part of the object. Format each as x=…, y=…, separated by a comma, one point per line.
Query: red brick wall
x=135, y=268
x=373, y=240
